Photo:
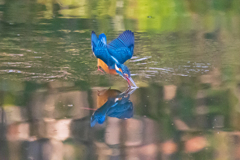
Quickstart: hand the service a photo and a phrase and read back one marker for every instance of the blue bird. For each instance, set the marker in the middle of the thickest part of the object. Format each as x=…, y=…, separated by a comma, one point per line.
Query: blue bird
x=117, y=105
x=114, y=54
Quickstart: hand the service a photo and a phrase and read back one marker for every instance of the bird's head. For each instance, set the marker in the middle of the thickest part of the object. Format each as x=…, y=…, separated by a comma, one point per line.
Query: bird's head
x=123, y=71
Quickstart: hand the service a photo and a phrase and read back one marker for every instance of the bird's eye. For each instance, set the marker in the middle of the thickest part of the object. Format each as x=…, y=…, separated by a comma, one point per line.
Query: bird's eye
x=126, y=75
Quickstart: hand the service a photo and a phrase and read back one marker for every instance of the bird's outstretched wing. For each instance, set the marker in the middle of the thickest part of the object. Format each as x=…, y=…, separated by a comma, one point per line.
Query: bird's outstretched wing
x=122, y=47
x=99, y=48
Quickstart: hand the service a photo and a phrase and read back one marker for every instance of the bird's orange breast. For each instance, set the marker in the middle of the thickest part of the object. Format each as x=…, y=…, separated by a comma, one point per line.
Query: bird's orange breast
x=103, y=97
x=105, y=67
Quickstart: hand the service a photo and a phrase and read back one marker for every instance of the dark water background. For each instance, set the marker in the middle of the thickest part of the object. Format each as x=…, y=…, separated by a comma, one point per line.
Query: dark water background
x=186, y=63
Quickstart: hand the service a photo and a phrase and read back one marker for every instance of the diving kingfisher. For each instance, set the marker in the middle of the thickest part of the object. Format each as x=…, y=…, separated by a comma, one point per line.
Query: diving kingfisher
x=112, y=56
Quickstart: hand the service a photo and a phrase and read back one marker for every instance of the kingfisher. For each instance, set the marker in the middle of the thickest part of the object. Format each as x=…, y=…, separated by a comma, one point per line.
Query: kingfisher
x=113, y=103
x=112, y=56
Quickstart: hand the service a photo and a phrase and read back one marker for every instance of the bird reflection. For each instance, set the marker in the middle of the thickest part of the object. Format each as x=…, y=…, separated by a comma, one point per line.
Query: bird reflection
x=113, y=104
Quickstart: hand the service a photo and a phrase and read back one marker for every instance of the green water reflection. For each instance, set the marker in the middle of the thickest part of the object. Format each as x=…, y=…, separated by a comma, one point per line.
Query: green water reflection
x=186, y=62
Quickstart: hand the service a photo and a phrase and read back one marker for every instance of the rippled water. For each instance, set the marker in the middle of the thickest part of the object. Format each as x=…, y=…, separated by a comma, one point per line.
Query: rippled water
x=55, y=105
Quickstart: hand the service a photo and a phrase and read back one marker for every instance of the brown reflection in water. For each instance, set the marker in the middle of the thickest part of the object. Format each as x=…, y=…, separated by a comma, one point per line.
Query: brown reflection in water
x=195, y=144
x=56, y=125
x=43, y=129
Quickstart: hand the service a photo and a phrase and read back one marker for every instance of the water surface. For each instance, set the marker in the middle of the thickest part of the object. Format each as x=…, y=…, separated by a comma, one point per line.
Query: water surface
x=54, y=104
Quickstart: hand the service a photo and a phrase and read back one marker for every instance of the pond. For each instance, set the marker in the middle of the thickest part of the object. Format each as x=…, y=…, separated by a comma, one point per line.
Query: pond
x=56, y=105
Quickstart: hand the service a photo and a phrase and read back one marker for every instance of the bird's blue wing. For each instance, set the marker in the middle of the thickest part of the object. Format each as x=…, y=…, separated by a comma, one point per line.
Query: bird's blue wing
x=103, y=38
x=99, y=48
x=126, y=39
x=121, y=111
x=94, y=41
x=122, y=47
